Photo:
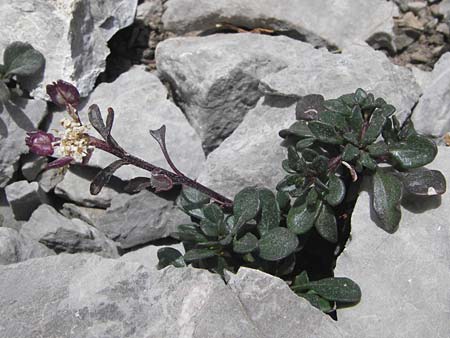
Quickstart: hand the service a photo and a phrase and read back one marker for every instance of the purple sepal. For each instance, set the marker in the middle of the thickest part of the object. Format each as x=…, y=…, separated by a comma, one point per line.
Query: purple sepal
x=63, y=93
x=60, y=162
x=161, y=182
x=40, y=142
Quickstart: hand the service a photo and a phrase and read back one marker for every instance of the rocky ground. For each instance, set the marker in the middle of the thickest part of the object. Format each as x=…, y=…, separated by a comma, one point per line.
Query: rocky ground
x=224, y=76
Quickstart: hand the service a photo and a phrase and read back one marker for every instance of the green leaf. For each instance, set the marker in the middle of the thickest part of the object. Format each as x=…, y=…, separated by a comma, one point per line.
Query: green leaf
x=246, y=205
x=367, y=161
x=387, y=110
x=301, y=219
x=336, y=191
x=270, y=211
x=360, y=96
x=312, y=198
x=337, y=106
x=424, y=182
x=378, y=149
x=277, y=244
x=213, y=213
x=245, y=244
x=5, y=94
x=320, y=164
x=283, y=200
x=210, y=229
x=301, y=279
x=376, y=125
x=416, y=151
x=189, y=233
x=194, y=196
x=326, y=224
x=333, y=119
x=299, y=129
x=22, y=59
x=356, y=120
x=350, y=153
x=324, y=132
x=309, y=154
x=387, y=194
x=170, y=256
x=197, y=254
x=338, y=289
x=318, y=302
x=295, y=162
x=305, y=143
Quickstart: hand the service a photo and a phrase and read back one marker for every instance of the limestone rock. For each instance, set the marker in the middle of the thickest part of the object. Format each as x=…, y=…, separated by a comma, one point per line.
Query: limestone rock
x=75, y=187
x=140, y=218
x=431, y=115
x=72, y=35
x=93, y=296
x=88, y=215
x=147, y=256
x=49, y=227
x=337, y=22
x=16, y=118
x=403, y=277
x=140, y=103
x=32, y=166
x=24, y=198
x=7, y=218
x=15, y=247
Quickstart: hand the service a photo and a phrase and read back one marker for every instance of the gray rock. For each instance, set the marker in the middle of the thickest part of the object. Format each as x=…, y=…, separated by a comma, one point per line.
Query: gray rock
x=88, y=215
x=49, y=227
x=403, y=276
x=15, y=247
x=338, y=22
x=7, y=218
x=332, y=75
x=252, y=155
x=140, y=103
x=267, y=300
x=444, y=8
x=24, y=198
x=140, y=218
x=16, y=118
x=423, y=78
x=75, y=187
x=147, y=256
x=431, y=115
x=33, y=165
x=150, y=12
x=97, y=297
x=216, y=77
x=49, y=179
x=72, y=35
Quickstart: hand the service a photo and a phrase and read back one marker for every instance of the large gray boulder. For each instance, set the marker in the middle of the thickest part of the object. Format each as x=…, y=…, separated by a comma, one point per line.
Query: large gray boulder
x=217, y=79
x=139, y=219
x=24, y=198
x=15, y=247
x=72, y=35
x=49, y=227
x=140, y=103
x=91, y=296
x=337, y=22
x=432, y=114
x=16, y=118
x=403, y=277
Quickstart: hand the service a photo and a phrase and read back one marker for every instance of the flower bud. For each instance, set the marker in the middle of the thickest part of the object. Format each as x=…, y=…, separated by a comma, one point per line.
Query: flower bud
x=40, y=142
x=63, y=93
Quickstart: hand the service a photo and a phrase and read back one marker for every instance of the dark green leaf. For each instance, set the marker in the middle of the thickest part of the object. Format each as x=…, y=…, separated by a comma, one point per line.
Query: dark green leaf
x=424, y=182
x=301, y=279
x=209, y=228
x=318, y=302
x=309, y=154
x=294, y=160
x=189, y=233
x=338, y=289
x=326, y=224
x=336, y=191
x=301, y=219
x=305, y=143
x=194, y=196
x=333, y=119
x=283, y=200
x=245, y=244
x=213, y=213
x=290, y=183
x=367, y=161
x=387, y=194
x=416, y=151
x=356, y=120
x=376, y=125
x=351, y=137
x=277, y=244
x=170, y=256
x=337, y=106
x=350, y=153
x=299, y=129
x=387, y=110
x=4, y=92
x=320, y=164
x=270, y=211
x=360, y=96
x=312, y=198
x=378, y=149
x=286, y=265
x=246, y=205
x=197, y=254
x=324, y=132
x=22, y=59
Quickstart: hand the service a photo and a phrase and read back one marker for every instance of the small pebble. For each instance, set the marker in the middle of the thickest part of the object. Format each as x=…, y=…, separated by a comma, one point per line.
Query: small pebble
x=416, y=6
x=443, y=28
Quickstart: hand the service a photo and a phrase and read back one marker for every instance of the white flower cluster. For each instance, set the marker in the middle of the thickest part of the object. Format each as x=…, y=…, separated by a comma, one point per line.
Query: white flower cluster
x=74, y=141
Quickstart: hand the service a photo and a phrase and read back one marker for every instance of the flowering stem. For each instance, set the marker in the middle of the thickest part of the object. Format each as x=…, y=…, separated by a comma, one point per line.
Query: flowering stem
x=179, y=179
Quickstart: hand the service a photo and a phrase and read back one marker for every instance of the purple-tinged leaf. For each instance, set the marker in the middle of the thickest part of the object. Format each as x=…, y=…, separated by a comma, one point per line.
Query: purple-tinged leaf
x=423, y=182
x=161, y=182
x=137, y=184
x=96, y=119
x=160, y=136
x=110, y=120
x=63, y=93
x=40, y=142
x=104, y=175
x=60, y=162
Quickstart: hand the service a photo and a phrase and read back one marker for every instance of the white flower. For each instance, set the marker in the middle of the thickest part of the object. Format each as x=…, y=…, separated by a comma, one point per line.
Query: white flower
x=74, y=141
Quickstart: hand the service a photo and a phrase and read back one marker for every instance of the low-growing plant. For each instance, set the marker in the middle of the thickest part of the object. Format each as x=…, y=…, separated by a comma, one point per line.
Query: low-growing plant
x=297, y=232
x=20, y=60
